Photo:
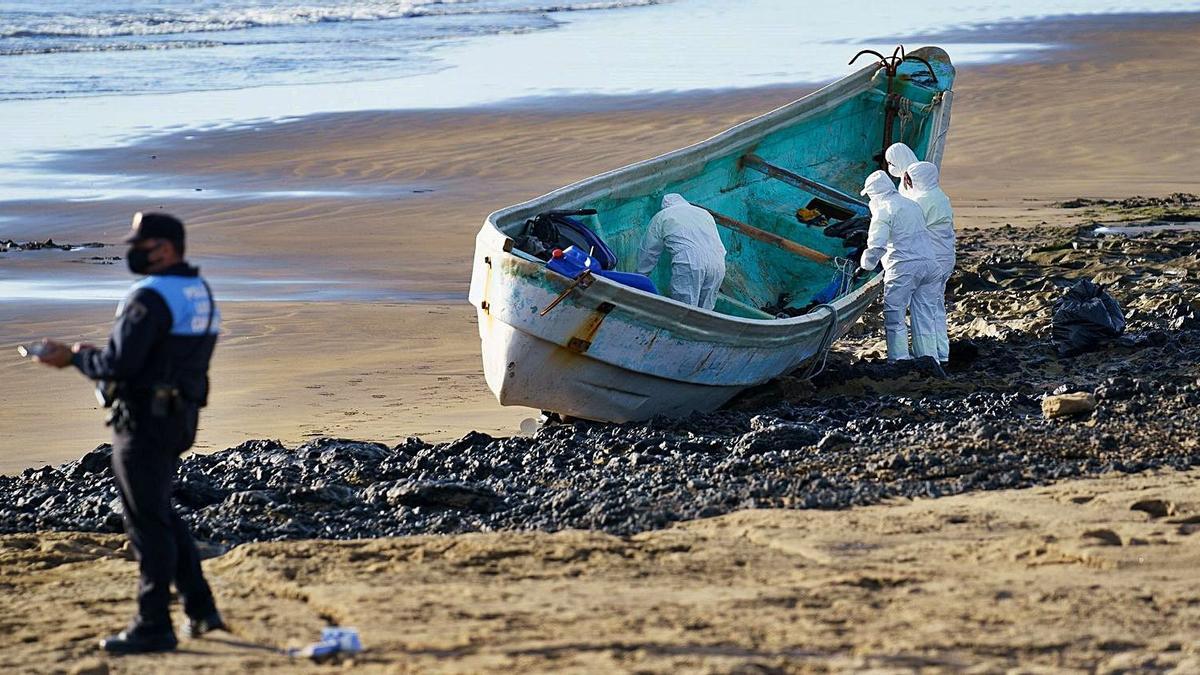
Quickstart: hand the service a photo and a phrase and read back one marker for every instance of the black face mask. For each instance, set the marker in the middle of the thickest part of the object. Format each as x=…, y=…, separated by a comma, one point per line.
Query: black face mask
x=138, y=260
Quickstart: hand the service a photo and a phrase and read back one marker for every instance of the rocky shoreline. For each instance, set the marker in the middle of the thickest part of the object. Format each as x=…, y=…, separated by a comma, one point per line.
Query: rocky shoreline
x=48, y=245
x=860, y=432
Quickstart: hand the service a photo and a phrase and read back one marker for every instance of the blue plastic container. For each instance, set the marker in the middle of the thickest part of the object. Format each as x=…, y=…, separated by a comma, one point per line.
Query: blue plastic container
x=572, y=262
x=638, y=281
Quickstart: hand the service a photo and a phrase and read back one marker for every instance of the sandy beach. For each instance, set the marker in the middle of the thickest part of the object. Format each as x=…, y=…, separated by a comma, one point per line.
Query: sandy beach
x=1087, y=575
x=1059, y=579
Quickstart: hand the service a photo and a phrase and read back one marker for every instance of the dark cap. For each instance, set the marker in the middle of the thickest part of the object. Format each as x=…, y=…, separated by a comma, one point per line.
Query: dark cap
x=155, y=226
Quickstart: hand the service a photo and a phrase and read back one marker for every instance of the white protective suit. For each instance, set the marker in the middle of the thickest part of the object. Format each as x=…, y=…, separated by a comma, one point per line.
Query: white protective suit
x=899, y=157
x=899, y=238
x=689, y=234
x=939, y=220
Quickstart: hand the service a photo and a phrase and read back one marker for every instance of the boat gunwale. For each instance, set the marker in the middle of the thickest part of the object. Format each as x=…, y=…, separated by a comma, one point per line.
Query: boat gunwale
x=619, y=288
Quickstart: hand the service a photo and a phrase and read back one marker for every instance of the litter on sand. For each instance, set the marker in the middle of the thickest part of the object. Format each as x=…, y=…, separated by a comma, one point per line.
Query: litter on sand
x=335, y=641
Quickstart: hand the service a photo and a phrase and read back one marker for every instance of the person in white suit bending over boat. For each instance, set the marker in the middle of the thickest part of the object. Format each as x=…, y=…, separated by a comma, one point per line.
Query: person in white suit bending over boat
x=689, y=234
x=921, y=181
x=898, y=237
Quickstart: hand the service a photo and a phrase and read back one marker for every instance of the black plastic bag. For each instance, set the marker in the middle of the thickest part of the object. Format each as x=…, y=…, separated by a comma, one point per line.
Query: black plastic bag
x=1086, y=318
x=848, y=228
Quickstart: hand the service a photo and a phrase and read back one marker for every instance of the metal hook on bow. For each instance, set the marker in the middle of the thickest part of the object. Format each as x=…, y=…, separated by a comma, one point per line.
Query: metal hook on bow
x=891, y=65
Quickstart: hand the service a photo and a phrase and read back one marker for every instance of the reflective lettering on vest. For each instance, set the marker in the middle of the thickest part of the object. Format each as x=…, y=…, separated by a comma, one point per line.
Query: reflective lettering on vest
x=188, y=302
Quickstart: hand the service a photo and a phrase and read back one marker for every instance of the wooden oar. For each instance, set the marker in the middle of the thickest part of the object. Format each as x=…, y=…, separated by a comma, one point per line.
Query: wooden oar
x=768, y=237
x=752, y=161
x=582, y=281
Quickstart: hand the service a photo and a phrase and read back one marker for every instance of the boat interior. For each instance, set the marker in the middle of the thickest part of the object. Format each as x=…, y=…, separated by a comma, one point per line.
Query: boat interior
x=791, y=184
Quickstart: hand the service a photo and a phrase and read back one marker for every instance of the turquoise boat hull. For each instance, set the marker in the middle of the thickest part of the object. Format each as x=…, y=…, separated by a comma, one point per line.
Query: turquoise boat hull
x=614, y=353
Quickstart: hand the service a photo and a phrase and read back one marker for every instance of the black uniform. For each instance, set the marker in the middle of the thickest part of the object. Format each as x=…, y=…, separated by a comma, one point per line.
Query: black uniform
x=160, y=346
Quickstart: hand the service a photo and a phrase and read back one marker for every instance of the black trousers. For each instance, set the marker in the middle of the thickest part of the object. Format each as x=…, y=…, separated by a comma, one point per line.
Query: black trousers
x=145, y=460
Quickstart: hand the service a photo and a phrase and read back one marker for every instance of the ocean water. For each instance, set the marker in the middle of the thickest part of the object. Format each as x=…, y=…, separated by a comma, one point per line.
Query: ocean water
x=93, y=73
x=78, y=48
x=95, y=47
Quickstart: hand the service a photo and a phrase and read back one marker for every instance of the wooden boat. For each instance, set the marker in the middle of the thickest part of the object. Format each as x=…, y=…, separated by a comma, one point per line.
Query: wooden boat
x=607, y=351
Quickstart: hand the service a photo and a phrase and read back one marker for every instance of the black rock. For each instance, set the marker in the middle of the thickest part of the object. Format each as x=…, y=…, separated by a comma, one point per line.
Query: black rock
x=445, y=495
x=97, y=461
x=834, y=441
x=773, y=434
x=196, y=490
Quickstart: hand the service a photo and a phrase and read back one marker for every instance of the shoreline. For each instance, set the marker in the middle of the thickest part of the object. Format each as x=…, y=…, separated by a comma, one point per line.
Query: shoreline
x=180, y=153
x=408, y=369
x=1076, y=36
x=1058, y=37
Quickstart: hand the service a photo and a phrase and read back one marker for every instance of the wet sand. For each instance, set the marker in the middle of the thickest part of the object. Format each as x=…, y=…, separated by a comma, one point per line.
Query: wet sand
x=1024, y=135
x=419, y=243
x=397, y=371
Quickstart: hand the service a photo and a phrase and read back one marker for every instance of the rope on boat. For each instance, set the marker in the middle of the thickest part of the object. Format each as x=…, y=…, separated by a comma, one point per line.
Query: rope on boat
x=845, y=268
x=904, y=110
x=923, y=108
x=817, y=364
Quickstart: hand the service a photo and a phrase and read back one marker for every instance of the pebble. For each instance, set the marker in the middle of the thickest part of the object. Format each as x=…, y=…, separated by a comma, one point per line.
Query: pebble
x=1062, y=405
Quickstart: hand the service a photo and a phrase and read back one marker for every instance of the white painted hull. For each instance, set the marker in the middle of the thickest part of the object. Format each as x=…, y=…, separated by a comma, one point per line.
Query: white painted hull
x=590, y=388
x=630, y=362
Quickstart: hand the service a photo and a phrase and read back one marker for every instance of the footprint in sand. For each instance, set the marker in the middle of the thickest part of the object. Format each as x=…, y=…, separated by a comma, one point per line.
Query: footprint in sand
x=1156, y=508
x=1104, y=537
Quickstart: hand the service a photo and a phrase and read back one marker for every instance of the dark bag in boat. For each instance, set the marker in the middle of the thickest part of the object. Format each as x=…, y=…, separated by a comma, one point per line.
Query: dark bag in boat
x=559, y=229
x=849, y=228
x=1084, y=319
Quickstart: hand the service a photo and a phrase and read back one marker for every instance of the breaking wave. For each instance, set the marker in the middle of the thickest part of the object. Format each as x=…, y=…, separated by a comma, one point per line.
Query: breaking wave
x=80, y=48
x=213, y=20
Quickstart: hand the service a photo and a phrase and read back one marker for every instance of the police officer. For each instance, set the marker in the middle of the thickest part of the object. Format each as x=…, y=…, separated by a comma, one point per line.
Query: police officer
x=154, y=372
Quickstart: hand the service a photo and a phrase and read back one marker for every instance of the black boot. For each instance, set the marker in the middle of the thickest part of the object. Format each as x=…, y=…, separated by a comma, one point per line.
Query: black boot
x=140, y=641
x=194, y=628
